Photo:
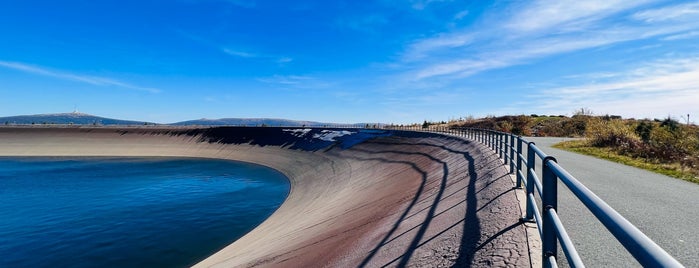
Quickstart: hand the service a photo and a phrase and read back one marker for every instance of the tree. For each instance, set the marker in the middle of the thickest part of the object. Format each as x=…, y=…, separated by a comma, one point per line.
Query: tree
x=671, y=124
x=583, y=111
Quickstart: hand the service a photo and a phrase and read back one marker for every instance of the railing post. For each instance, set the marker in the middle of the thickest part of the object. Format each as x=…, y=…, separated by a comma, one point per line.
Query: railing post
x=531, y=167
x=549, y=201
x=500, y=145
x=487, y=139
x=519, y=161
x=512, y=154
x=495, y=142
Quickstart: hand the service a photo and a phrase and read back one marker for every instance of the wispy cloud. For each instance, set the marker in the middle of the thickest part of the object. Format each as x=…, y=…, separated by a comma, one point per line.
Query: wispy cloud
x=682, y=36
x=687, y=11
x=565, y=15
x=295, y=81
x=539, y=29
x=427, y=47
x=461, y=14
x=656, y=89
x=251, y=55
x=422, y=4
x=237, y=53
x=92, y=80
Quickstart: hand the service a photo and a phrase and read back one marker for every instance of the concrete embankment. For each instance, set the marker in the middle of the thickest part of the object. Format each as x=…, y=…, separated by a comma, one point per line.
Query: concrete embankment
x=358, y=198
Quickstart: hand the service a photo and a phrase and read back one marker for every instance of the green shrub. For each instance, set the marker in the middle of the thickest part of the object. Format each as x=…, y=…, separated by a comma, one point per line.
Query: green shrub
x=644, y=130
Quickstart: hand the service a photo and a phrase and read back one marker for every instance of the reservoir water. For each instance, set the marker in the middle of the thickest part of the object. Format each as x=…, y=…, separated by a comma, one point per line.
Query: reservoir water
x=135, y=212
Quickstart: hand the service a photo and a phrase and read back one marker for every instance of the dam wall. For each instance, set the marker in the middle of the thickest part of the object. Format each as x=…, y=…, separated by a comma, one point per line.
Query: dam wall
x=359, y=198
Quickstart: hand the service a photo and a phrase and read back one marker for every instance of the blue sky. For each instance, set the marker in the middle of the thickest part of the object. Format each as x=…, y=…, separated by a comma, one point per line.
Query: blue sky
x=349, y=61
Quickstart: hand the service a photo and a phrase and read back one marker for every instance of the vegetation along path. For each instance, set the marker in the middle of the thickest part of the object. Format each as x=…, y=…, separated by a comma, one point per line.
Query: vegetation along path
x=664, y=208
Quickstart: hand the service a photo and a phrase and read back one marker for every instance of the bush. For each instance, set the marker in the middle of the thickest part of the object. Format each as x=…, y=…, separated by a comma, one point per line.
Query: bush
x=613, y=133
x=644, y=130
x=672, y=143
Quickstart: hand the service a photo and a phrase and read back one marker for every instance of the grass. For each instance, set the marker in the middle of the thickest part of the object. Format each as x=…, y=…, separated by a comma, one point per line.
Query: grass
x=672, y=170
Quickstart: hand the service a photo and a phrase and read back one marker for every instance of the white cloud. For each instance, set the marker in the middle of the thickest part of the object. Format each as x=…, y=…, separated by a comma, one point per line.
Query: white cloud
x=422, y=4
x=423, y=48
x=682, y=36
x=251, y=55
x=295, y=82
x=500, y=57
x=461, y=14
x=543, y=15
x=677, y=12
x=536, y=30
x=284, y=60
x=237, y=53
x=653, y=90
x=92, y=80
x=287, y=79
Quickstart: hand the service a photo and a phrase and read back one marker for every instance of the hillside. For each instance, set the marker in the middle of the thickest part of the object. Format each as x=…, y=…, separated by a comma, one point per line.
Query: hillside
x=66, y=119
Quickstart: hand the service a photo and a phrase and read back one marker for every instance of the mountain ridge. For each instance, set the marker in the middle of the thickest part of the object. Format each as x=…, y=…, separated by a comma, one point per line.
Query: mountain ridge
x=73, y=118
x=76, y=118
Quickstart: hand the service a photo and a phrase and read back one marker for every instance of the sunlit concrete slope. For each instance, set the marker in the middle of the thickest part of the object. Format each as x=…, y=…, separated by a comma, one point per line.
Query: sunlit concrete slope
x=359, y=198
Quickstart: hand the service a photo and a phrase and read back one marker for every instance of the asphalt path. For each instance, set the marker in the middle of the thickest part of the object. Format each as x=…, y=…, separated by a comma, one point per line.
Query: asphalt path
x=664, y=208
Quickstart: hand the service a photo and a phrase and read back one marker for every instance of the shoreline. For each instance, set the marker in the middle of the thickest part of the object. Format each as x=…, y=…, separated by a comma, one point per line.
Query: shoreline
x=387, y=198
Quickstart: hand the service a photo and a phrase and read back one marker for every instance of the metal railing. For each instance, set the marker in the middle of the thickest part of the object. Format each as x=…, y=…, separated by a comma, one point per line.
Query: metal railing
x=511, y=148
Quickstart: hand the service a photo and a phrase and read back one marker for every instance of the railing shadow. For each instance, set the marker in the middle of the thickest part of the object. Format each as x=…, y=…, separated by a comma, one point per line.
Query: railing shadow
x=471, y=232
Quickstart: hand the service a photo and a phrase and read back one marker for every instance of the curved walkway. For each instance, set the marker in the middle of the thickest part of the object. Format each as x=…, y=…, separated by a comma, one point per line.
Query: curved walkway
x=664, y=208
x=358, y=198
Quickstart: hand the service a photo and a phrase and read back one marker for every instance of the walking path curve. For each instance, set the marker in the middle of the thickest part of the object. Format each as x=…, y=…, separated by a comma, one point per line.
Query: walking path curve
x=664, y=208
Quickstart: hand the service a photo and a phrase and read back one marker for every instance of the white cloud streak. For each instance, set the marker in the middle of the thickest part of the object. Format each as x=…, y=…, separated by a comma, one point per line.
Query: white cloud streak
x=654, y=90
x=295, y=82
x=682, y=36
x=241, y=54
x=688, y=11
x=92, y=80
x=422, y=4
x=250, y=55
x=543, y=15
x=541, y=29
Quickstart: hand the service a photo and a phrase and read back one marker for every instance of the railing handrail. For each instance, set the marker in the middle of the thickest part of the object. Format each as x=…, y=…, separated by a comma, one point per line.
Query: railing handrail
x=509, y=148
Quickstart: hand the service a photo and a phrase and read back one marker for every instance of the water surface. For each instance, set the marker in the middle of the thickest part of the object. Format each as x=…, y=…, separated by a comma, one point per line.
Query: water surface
x=163, y=212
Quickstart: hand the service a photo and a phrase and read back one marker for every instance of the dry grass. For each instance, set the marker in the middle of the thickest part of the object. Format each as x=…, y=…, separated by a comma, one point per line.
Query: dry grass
x=670, y=169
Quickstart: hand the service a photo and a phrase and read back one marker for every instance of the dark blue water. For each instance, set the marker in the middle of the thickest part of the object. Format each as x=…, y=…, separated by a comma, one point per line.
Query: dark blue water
x=58, y=212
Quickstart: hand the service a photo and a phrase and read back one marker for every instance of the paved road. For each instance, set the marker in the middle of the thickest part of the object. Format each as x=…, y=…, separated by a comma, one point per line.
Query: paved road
x=664, y=208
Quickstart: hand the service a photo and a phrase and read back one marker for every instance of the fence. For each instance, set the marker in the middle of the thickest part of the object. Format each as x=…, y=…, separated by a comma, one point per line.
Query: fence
x=511, y=149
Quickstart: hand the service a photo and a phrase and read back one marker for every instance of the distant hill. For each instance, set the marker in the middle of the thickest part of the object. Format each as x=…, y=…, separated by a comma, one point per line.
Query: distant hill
x=87, y=119
x=66, y=119
x=252, y=122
